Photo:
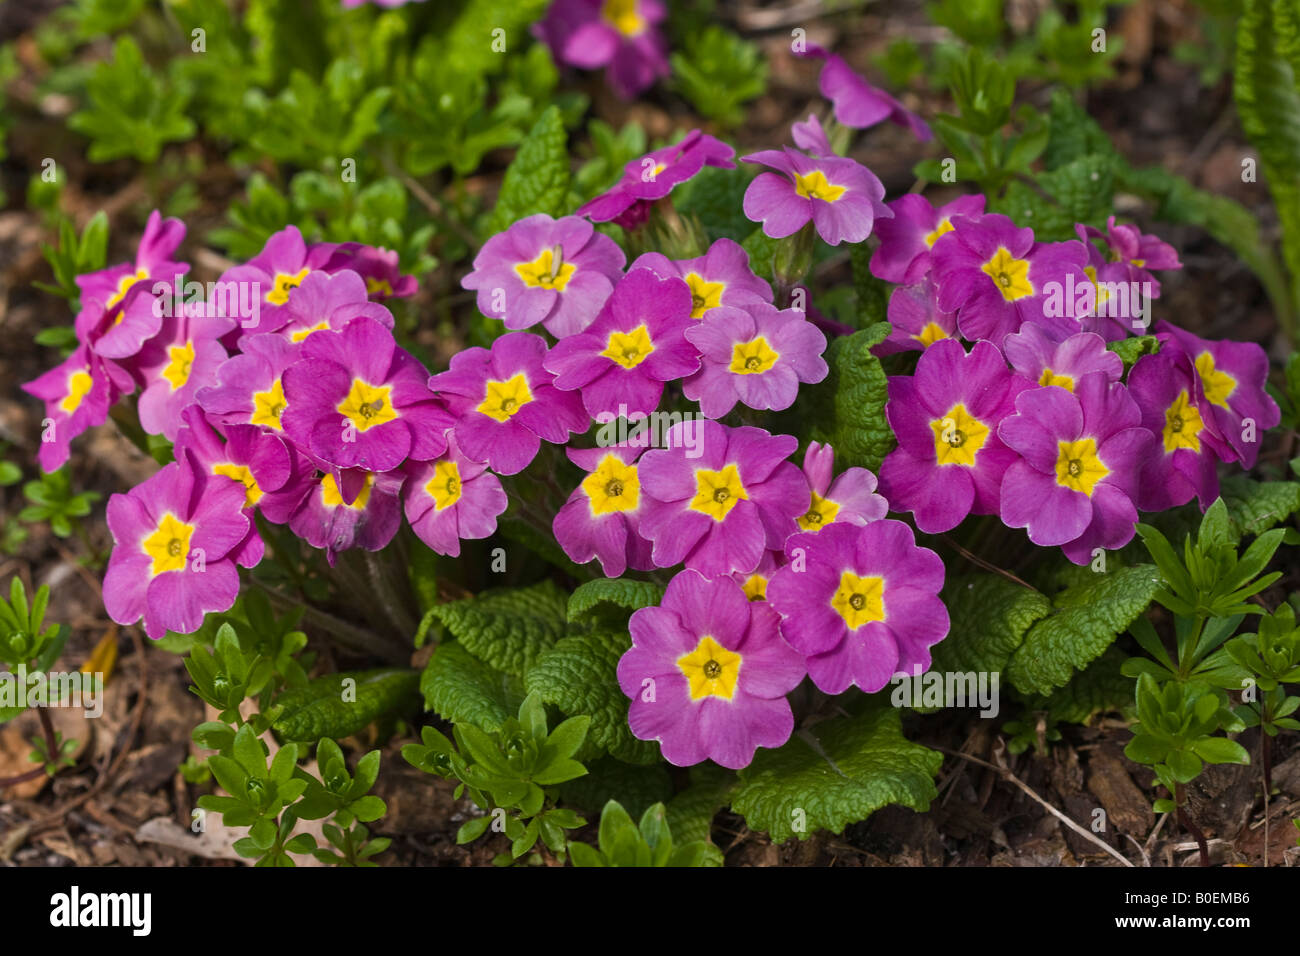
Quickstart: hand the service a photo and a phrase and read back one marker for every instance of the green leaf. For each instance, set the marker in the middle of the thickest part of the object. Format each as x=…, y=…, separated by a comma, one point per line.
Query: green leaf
x=508, y=628
x=460, y=688
x=848, y=409
x=836, y=773
x=1098, y=688
x=989, y=619
x=1256, y=506
x=1220, y=750
x=715, y=196
x=691, y=812
x=538, y=179
x=620, y=592
x=1087, y=618
x=1131, y=349
x=1079, y=191
x=579, y=676
x=338, y=705
x=636, y=787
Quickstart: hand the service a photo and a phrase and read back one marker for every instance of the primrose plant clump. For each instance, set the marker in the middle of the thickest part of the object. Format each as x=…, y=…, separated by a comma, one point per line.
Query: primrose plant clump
x=733, y=459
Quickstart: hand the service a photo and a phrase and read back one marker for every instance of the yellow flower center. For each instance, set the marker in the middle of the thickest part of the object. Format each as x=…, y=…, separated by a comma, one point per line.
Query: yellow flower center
x=332, y=498
x=711, y=670
x=940, y=231
x=755, y=587
x=177, y=371
x=169, y=545
x=301, y=334
x=1009, y=274
x=444, y=487
x=716, y=492
x=79, y=386
x=503, y=399
x=1183, y=424
x=820, y=513
x=629, y=349
x=367, y=405
x=1078, y=467
x=623, y=16
x=380, y=286
x=284, y=284
x=549, y=270
x=705, y=295
x=1050, y=377
x=241, y=474
x=1218, y=385
x=815, y=185
x=124, y=286
x=958, y=437
x=859, y=600
x=613, y=486
x=1100, y=294
x=268, y=406
x=932, y=333
x=753, y=358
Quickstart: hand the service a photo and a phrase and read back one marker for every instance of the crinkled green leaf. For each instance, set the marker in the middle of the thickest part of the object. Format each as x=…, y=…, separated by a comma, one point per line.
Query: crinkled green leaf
x=538, y=179
x=836, y=773
x=636, y=787
x=1098, y=688
x=1131, y=349
x=327, y=707
x=715, y=196
x=508, y=628
x=1256, y=506
x=989, y=619
x=1079, y=191
x=462, y=689
x=848, y=409
x=691, y=812
x=620, y=592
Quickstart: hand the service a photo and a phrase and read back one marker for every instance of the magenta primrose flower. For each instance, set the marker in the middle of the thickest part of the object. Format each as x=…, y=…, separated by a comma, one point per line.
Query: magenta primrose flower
x=451, y=499
x=653, y=176
x=1046, y=359
x=621, y=362
x=1174, y=408
x=707, y=674
x=181, y=360
x=718, y=510
x=505, y=402
x=915, y=320
x=621, y=35
x=903, y=255
x=1081, y=459
x=369, y=521
x=949, y=462
x=602, y=517
x=848, y=498
x=379, y=267
x=1233, y=375
x=754, y=583
x=104, y=322
x=841, y=197
x=860, y=602
x=77, y=393
x=276, y=272
x=329, y=301
x=174, y=535
x=859, y=104
x=719, y=277
x=249, y=387
x=558, y=272
x=757, y=356
x=996, y=278
x=1137, y=252
x=811, y=137
x=356, y=400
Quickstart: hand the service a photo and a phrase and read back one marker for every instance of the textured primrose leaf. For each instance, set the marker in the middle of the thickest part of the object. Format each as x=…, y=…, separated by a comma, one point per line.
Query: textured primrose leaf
x=538, y=179
x=716, y=196
x=691, y=812
x=1131, y=349
x=507, y=628
x=1086, y=621
x=459, y=687
x=990, y=617
x=620, y=592
x=848, y=409
x=579, y=676
x=327, y=707
x=837, y=772
x=1098, y=688
x=1080, y=191
x=1256, y=506
x=636, y=787
x=761, y=250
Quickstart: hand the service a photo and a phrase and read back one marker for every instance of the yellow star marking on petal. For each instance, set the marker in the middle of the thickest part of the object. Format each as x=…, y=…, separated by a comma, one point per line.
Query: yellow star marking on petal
x=755, y=587
x=444, y=487
x=331, y=497
x=380, y=286
x=503, y=399
x=79, y=385
x=1009, y=274
x=717, y=491
x=622, y=16
x=932, y=333
x=613, y=486
x=284, y=284
x=958, y=437
x=301, y=334
x=268, y=406
x=177, y=370
x=1218, y=385
x=1183, y=424
x=815, y=185
x=820, y=513
x=1138, y=262
x=547, y=271
x=243, y=475
x=367, y=405
x=859, y=600
x=939, y=232
x=629, y=349
x=169, y=545
x=124, y=286
x=1078, y=467
x=705, y=295
x=1050, y=377
x=753, y=358
x=711, y=670
x=1100, y=294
